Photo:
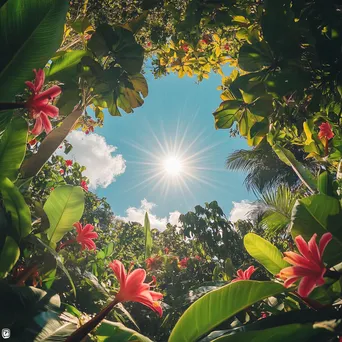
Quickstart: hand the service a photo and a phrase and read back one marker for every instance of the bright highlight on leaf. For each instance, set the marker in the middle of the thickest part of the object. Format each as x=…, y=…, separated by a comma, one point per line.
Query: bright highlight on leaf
x=173, y=166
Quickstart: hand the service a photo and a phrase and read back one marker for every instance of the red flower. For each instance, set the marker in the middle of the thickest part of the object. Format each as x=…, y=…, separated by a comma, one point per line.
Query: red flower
x=68, y=162
x=133, y=288
x=85, y=236
x=308, y=267
x=153, y=263
x=244, y=275
x=166, y=250
x=184, y=262
x=226, y=47
x=197, y=257
x=61, y=171
x=264, y=314
x=149, y=44
x=84, y=185
x=52, y=189
x=185, y=47
x=38, y=103
x=325, y=131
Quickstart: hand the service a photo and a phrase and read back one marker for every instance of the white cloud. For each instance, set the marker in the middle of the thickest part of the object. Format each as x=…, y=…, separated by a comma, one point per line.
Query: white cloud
x=93, y=152
x=242, y=211
x=134, y=214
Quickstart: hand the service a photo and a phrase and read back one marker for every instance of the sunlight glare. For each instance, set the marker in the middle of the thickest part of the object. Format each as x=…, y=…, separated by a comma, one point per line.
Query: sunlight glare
x=173, y=166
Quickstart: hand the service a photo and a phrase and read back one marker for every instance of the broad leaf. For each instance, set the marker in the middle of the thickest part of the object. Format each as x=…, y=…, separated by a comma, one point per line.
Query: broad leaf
x=9, y=255
x=264, y=252
x=319, y=214
x=64, y=207
x=226, y=114
x=217, y=306
x=254, y=57
x=294, y=332
x=117, y=332
x=13, y=148
x=30, y=33
x=148, y=237
x=65, y=60
x=16, y=206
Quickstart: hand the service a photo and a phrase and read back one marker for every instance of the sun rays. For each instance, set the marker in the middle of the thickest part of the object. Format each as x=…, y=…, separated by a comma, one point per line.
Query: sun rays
x=177, y=161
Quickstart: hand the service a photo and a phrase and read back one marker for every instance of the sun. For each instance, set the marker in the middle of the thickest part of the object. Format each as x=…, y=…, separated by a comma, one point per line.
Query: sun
x=173, y=166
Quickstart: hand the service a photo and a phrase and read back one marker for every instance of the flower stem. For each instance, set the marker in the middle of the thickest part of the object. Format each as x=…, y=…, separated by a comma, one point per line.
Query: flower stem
x=332, y=274
x=66, y=243
x=11, y=105
x=85, y=329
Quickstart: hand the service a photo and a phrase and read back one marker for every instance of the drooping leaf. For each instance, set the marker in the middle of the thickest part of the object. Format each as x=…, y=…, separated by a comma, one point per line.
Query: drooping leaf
x=30, y=33
x=217, y=306
x=64, y=207
x=226, y=114
x=264, y=252
x=117, y=332
x=148, y=237
x=319, y=214
x=13, y=148
x=16, y=206
x=289, y=159
x=9, y=255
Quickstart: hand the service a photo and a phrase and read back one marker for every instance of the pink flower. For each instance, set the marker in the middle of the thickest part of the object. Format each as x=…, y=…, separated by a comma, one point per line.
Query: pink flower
x=244, y=275
x=184, y=262
x=84, y=185
x=38, y=103
x=68, y=162
x=198, y=258
x=85, y=236
x=154, y=263
x=133, y=288
x=308, y=266
x=325, y=131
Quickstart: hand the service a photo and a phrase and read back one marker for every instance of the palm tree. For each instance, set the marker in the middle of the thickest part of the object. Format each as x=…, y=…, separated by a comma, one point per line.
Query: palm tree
x=264, y=169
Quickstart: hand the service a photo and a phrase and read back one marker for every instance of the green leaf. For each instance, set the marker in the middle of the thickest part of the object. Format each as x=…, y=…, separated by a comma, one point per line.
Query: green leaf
x=109, y=249
x=217, y=306
x=319, y=214
x=324, y=184
x=9, y=255
x=226, y=114
x=294, y=332
x=117, y=332
x=15, y=204
x=148, y=237
x=13, y=148
x=35, y=240
x=289, y=159
x=64, y=207
x=30, y=33
x=264, y=252
x=263, y=106
x=254, y=57
x=65, y=60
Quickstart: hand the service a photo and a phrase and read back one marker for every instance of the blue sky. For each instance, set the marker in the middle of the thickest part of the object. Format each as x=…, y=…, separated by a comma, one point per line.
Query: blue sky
x=175, y=109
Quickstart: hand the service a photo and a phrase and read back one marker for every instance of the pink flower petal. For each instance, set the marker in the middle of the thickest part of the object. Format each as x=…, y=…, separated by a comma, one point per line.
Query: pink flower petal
x=302, y=246
x=46, y=123
x=325, y=239
x=38, y=126
x=306, y=286
x=49, y=94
